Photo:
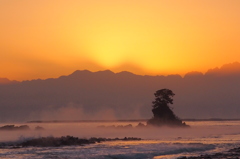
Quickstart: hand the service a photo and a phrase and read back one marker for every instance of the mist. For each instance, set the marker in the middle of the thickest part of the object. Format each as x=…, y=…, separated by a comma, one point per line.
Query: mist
x=195, y=134
x=104, y=95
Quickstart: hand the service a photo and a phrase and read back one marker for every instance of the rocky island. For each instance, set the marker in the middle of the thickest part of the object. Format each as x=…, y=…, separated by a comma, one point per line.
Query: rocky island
x=13, y=127
x=162, y=113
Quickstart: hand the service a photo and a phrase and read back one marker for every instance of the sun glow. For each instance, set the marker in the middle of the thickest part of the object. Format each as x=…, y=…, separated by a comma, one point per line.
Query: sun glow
x=149, y=37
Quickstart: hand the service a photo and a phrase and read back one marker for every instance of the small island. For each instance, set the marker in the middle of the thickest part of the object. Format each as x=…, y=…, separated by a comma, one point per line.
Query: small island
x=162, y=113
x=14, y=128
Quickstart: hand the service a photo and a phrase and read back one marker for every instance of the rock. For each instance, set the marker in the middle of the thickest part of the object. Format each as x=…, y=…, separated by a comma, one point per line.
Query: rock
x=231, y=154
x=23, y=127
x=128, y=126
x=140, y=125
x=39, y=128
x=162, y=112
x=66, y=141
x=13, y=127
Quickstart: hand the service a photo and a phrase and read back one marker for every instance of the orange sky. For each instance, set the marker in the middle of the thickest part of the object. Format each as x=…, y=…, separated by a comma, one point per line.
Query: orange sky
x=49, y=38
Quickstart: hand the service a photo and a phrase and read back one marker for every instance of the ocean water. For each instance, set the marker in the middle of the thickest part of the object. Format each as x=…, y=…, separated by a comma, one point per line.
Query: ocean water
x=204, y=137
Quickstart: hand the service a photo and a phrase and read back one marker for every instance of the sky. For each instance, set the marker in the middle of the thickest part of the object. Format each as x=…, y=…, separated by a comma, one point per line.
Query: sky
x=50, y=38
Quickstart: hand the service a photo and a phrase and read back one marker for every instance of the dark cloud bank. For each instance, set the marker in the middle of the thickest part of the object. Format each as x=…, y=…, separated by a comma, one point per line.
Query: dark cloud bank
x=107, y=95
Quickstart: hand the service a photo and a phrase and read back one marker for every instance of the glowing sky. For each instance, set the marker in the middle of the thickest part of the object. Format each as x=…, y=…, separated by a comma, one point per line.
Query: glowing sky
x=49, y=38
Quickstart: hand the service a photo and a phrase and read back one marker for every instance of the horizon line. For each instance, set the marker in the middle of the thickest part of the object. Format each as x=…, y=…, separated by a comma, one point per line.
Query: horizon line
x=128, y=120
x=104, y=70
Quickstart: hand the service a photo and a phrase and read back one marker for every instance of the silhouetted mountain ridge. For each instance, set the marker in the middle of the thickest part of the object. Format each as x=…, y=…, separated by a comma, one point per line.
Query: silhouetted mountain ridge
x=227, y=69
x=231, y=69
x=102, y=95
x=7, y=81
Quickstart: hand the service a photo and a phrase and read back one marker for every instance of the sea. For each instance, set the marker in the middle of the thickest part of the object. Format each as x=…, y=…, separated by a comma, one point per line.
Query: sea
x=203, y=137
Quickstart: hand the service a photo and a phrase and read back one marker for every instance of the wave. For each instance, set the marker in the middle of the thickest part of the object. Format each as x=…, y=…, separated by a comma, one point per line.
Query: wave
x=164, y=150
x=61, y=141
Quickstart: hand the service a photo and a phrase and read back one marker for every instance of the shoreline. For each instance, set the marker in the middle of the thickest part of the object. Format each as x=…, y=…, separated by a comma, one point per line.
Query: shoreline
x=61, y=141
x=230, y=154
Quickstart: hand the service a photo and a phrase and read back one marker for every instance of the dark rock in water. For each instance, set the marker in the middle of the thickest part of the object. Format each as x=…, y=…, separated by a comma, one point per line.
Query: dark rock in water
x=54, y=142
x=112, y=126
x=140, y=125
x=7, y=127
x=23, y=127
x=128, y=126
x=162, y=113
x=118, y=126
x=39, y=128
x=130, y=138
x=67, y=141
x=163, y=122
x=13, y=127
x=231, y=154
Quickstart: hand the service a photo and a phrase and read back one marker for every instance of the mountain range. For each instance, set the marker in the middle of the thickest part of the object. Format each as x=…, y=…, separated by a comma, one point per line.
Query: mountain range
x=102, y=95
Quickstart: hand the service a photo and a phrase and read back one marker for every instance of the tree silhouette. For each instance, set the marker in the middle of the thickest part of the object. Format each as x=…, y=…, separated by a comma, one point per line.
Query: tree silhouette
x=162, y=113
x=163, y=97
